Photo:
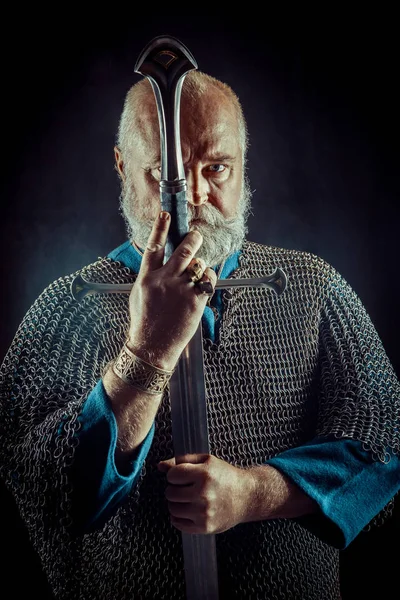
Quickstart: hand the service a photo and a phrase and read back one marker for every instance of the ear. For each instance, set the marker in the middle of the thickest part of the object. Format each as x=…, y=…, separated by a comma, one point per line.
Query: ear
x=119, y=163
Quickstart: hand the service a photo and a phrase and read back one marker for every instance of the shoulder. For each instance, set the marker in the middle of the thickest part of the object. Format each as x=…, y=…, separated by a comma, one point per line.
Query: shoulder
x=58, y=299
x=308, y=275
x=296, y=263
x=102, y=270
x=56, y=312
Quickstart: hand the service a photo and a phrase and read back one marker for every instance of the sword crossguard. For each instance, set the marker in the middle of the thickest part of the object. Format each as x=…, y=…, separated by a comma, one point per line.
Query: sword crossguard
x=81, y=287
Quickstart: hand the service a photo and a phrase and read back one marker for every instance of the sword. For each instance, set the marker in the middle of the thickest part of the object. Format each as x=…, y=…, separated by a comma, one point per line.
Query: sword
x=165, y=61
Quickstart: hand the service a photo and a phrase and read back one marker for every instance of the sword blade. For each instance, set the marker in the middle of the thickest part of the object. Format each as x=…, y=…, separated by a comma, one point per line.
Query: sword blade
x=190, y=435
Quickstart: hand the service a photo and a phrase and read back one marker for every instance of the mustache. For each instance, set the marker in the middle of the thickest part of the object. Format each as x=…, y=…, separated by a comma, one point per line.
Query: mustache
x=207, y=213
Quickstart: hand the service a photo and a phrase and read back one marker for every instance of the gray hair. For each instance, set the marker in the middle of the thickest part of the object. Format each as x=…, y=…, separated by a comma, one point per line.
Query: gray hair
x=194, y=86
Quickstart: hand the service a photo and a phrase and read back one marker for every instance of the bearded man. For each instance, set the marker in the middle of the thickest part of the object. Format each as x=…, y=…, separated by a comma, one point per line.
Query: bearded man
x=303, y=403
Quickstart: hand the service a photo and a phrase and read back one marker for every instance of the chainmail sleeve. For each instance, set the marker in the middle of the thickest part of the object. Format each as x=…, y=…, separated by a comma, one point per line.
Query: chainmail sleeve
x=40, y=405
x=360, y=393
x=48, y=372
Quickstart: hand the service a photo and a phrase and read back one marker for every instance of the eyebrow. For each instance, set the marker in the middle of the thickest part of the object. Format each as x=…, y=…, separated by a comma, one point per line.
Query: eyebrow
x=152, y=162
x=215, y=158
x=219, y=158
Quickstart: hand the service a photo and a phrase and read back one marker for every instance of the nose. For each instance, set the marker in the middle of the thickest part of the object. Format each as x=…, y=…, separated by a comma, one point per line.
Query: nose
x=197, y=187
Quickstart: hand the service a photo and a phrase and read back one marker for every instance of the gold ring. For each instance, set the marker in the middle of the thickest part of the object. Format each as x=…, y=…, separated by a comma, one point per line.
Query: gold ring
x=195, y=269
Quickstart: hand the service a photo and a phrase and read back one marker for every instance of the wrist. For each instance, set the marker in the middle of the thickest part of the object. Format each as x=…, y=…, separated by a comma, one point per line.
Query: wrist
x=141, y=374
x=273, y=495
x=162, y=360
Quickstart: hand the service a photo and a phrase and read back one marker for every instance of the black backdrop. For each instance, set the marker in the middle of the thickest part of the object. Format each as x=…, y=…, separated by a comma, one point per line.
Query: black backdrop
x=320, y=96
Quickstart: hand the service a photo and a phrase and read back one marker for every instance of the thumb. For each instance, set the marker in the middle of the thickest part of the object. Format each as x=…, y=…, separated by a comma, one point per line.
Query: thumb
x=165, y=465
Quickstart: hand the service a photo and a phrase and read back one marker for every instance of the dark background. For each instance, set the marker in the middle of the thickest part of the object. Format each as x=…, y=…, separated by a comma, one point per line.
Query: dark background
x=320, y=95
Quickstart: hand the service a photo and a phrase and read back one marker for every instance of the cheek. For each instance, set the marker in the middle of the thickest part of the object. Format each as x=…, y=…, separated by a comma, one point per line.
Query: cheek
x=147, y=194
x=226, y=197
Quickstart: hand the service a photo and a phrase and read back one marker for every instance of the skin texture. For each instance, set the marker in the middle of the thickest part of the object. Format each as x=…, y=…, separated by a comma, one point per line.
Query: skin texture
x=204, y=494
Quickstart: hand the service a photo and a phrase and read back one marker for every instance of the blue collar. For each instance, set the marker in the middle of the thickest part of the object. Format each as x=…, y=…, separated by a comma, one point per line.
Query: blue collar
x=130, y=257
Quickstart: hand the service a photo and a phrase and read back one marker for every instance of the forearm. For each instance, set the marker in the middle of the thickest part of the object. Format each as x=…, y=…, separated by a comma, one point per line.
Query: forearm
x=272, y=495
x=134, y=412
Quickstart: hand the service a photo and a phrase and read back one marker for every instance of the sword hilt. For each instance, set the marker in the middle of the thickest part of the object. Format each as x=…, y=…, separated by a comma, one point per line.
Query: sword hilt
x=165, y=61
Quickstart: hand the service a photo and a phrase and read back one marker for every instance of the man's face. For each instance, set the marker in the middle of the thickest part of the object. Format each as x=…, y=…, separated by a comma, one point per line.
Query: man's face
x=213, y=160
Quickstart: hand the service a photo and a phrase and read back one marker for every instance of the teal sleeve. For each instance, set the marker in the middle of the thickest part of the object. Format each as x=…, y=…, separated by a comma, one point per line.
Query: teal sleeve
x=98, y=486
x=349, y=486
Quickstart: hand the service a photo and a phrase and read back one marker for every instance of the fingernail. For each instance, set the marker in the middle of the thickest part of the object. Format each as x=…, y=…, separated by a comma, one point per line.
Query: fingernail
x=164, y=215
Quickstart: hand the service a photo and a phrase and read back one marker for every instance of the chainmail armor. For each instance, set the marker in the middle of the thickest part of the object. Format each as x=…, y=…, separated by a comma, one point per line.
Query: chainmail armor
x=284, y=369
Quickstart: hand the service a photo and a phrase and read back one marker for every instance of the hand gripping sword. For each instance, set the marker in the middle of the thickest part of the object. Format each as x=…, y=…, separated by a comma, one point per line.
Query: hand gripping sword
x=165, y=61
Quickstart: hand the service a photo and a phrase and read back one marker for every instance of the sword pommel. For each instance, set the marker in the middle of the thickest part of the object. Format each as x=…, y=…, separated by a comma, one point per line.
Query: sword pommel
x=277, y=281
x=165, y=61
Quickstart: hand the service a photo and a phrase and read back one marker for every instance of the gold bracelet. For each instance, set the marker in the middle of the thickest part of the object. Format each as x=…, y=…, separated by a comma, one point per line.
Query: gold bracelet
x=139, y=373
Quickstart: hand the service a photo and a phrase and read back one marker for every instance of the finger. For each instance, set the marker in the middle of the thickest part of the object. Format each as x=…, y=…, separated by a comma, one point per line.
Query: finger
x=177, y=493
x=153, y=255
x=183, y=254
x=185, y=525
x=185, y=474
x=180, y=475
x=193, y=458
x=166, y=465
x=182, y=511
x=207, y=283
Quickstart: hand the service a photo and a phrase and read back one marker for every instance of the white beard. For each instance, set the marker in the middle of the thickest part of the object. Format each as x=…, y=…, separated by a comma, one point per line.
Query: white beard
x=221, y=237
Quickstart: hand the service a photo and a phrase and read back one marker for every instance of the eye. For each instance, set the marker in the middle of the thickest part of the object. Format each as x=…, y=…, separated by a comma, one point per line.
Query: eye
x=217, y=168
x=155, y=173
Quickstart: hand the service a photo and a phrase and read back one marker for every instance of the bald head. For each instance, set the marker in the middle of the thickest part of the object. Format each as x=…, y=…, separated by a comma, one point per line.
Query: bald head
x=201, y=96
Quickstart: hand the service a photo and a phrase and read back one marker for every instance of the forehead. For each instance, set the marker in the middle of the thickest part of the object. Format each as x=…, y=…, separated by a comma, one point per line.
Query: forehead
x=208, y=125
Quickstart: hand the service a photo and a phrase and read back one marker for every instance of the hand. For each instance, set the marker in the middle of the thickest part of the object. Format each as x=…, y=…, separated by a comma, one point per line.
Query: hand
x=165, y=305
x=206, y=494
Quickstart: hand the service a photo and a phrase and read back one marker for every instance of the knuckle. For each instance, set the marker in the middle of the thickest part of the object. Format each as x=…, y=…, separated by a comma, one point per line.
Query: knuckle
x=205, y=503
x=196, y=236
x=210, y=513
x=207, y=513
x=211, y=274
x=145, y=280
x=154, y=246
x=185, y=252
